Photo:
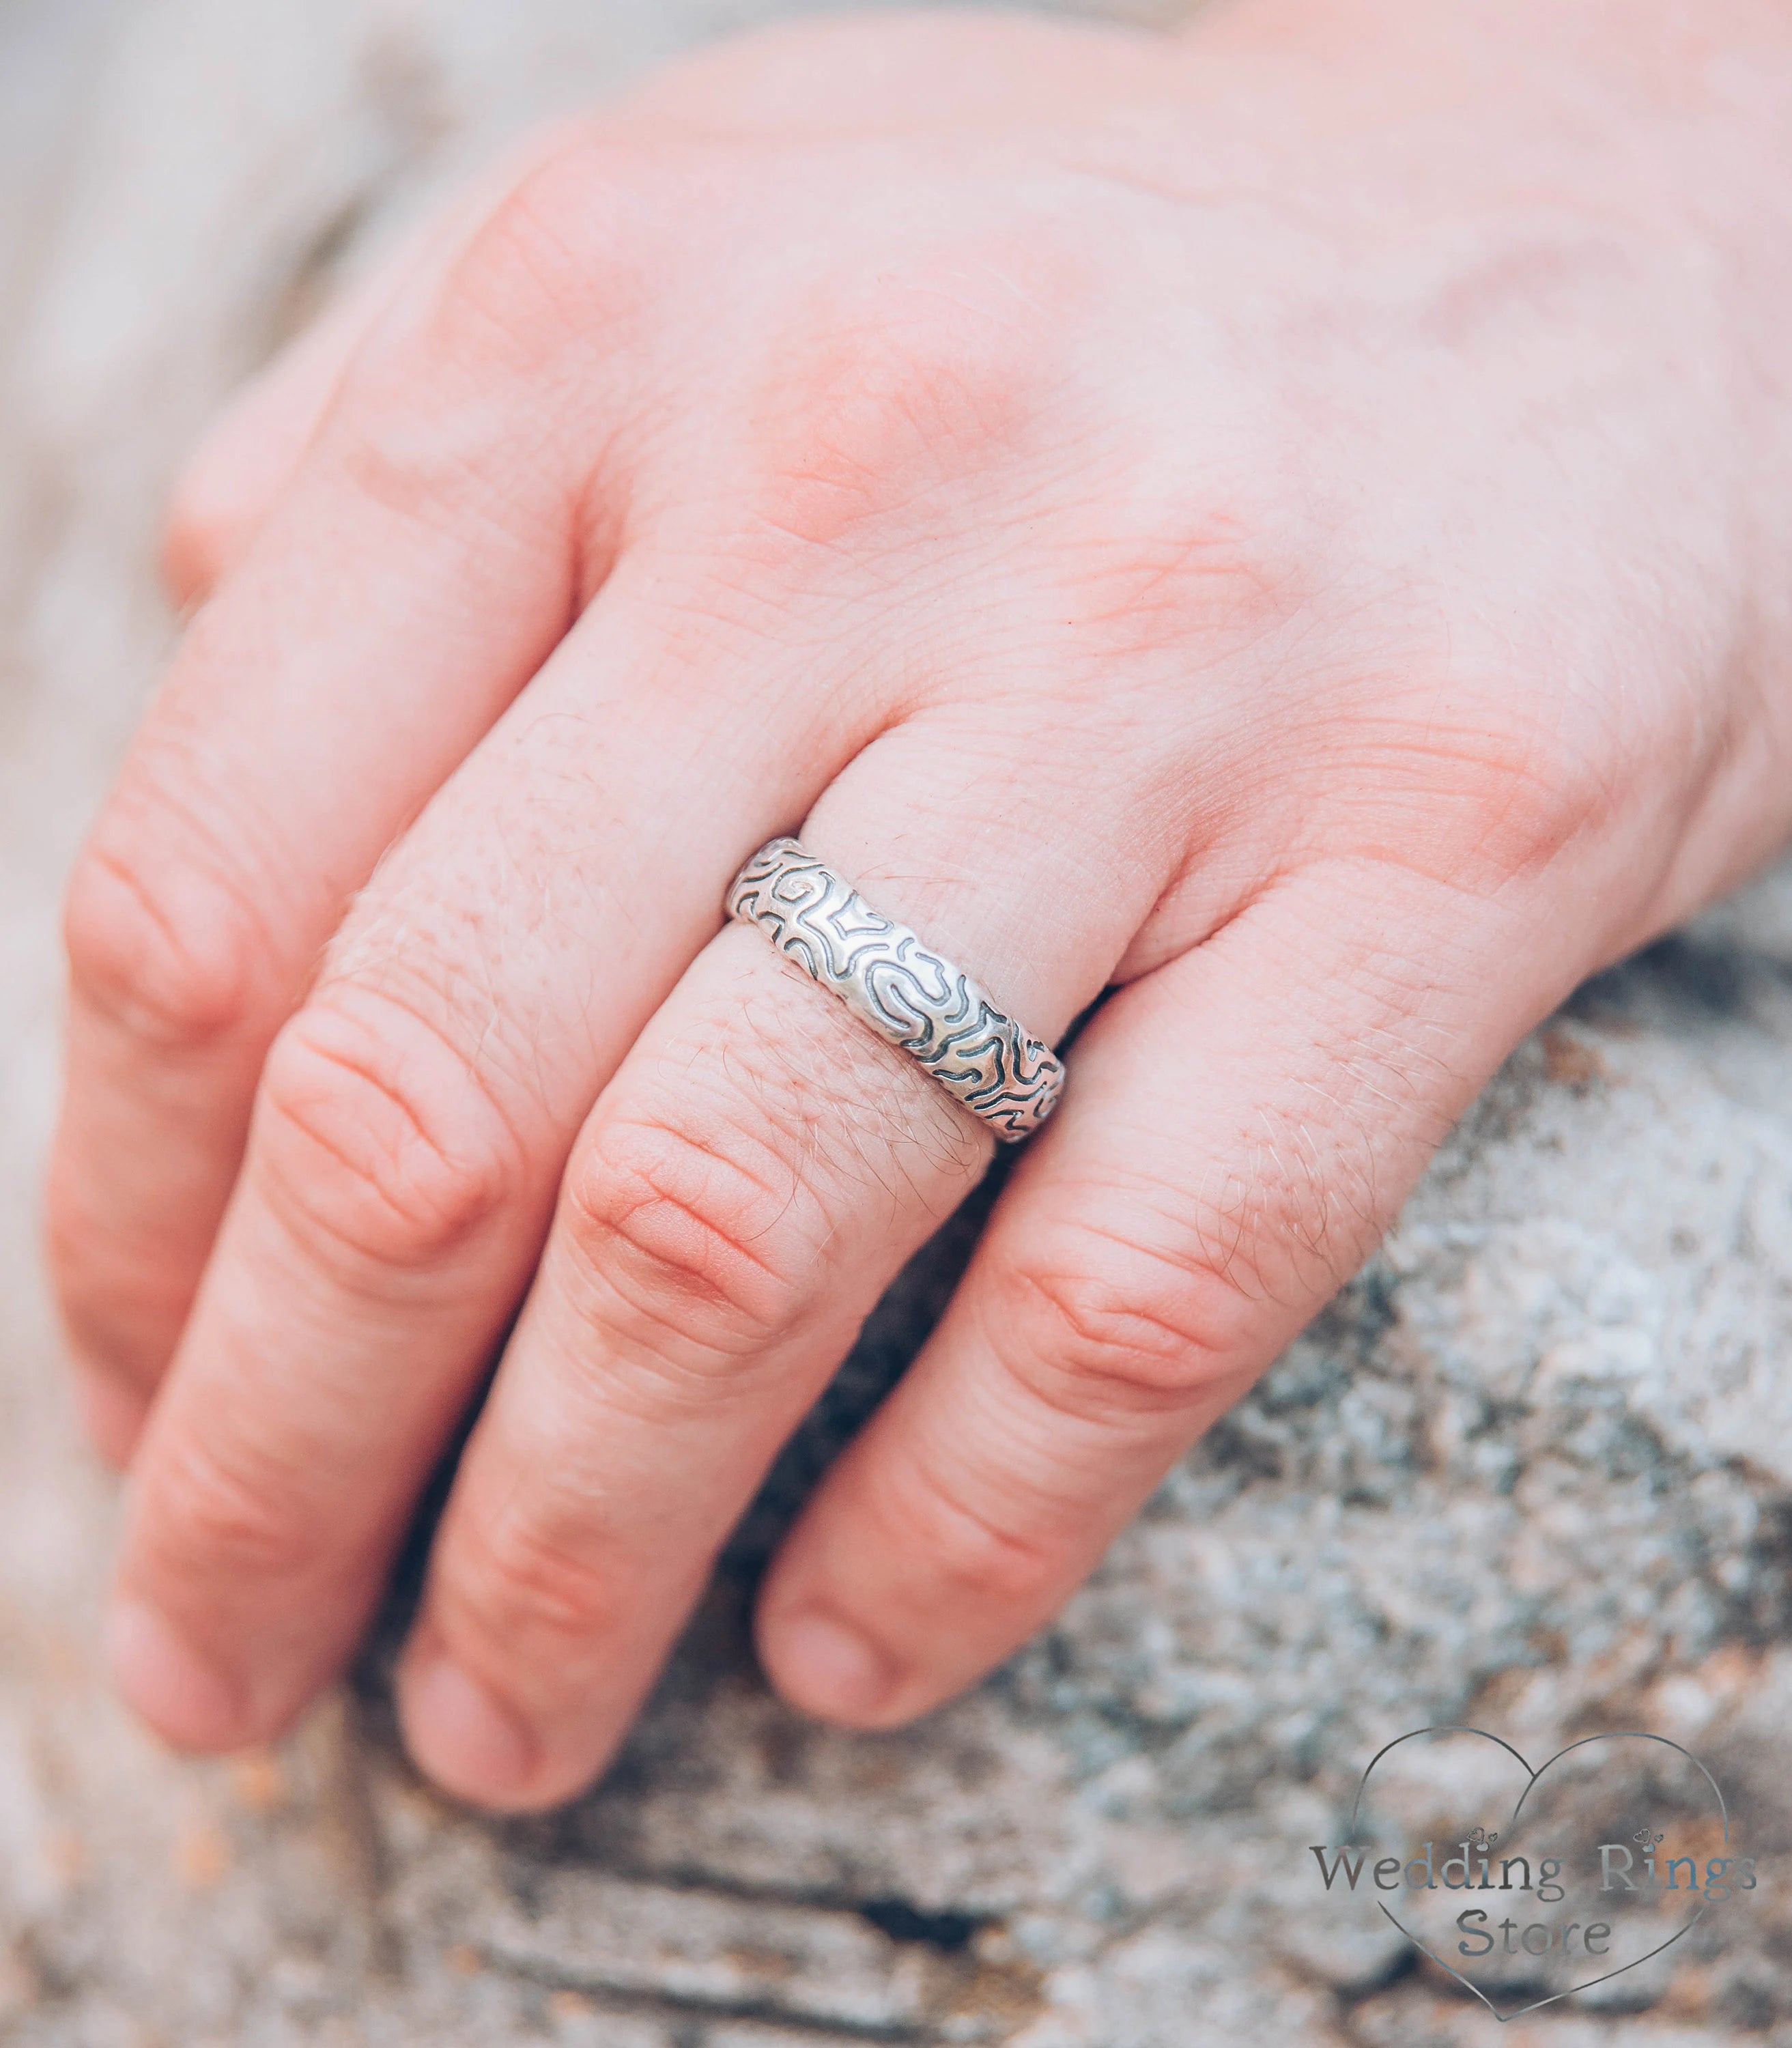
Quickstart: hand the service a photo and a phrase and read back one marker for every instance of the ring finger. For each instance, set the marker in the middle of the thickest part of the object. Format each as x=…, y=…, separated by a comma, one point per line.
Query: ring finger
x=744, y=1188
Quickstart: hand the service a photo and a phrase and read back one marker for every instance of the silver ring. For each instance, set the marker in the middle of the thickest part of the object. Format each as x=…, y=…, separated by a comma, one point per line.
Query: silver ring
x=905, y=991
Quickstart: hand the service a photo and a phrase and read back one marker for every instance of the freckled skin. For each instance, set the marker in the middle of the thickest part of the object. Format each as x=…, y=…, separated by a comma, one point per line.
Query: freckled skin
x=1283, y=522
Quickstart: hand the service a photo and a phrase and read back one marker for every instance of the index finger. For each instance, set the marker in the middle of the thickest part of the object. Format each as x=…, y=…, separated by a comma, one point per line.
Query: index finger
x=423, y=562
x=254, y=449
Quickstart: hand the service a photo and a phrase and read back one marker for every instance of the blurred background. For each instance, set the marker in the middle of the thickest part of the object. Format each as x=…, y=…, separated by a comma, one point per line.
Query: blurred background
x=1533, y=1472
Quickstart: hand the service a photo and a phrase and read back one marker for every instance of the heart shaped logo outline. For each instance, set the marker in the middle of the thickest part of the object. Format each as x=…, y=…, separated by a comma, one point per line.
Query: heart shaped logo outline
x=1531, y=1776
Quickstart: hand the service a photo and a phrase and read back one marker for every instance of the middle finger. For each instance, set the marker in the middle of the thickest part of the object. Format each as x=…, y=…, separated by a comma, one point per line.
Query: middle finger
x=412, y=1123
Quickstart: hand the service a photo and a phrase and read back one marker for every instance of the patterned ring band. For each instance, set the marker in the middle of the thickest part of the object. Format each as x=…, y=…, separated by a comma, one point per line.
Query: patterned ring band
x=884, y=975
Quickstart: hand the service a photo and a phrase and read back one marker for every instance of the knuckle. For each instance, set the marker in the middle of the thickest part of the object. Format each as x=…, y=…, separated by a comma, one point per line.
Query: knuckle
x=227, y=1509
x=375, y=1135
x=1103, y=1326
x=879, y=408
x=519, y=1577
x=481, y=405
x=1217, y=565
x=207, y=522
x=560, y=260
x=715, y=1223
x=195, y=549
x=690, y=1232
x=122, y=1305
x=1504, y=784
x=156, y=943
x=969, y=1548
x=87, y=1312
x=1531, y=793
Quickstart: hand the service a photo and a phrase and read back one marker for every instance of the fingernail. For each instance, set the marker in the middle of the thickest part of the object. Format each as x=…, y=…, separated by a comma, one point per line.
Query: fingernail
x=183, y=1696
x=827, y=1668
x=457, y=1734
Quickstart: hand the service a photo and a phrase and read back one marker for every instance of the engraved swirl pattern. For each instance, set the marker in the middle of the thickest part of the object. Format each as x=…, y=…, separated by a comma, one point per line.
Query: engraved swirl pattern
x=907, y=994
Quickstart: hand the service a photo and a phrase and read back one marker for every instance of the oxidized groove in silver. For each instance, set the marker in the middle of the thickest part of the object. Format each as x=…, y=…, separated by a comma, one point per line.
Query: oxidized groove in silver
x=903, y=990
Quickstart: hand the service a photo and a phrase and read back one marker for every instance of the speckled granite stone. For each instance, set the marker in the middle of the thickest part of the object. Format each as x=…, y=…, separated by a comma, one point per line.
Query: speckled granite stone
x=1534, y=1470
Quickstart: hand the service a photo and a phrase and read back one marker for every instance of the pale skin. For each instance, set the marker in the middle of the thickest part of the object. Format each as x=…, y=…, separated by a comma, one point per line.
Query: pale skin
x=1289, y=523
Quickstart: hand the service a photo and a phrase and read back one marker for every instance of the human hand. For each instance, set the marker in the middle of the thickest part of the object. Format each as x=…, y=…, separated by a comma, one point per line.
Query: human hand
x=1287, y=523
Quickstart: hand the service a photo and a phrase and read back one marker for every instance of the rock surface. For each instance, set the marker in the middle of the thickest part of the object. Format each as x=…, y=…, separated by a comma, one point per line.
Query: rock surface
x=1534, y=1471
